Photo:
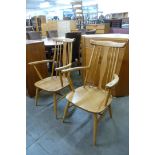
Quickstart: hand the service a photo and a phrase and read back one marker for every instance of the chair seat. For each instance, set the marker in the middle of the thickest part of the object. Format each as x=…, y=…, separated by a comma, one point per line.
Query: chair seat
x=88, y=98
x=52, y=84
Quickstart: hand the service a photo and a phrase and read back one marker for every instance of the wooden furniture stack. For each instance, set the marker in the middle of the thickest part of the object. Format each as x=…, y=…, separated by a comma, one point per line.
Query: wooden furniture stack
x=54, y=25
x=78, y=13
x=37, y=21
x=122, y=89
x=100, y=28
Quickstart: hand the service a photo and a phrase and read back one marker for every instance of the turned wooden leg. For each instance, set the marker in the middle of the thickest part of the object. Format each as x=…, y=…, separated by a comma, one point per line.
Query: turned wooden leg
x=66, y=111
x=95, y=129
x=55, y=104
x=37, y=96
x=110, y=111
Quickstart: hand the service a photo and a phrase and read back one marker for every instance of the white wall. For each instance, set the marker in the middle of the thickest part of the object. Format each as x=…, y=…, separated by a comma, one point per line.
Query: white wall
x=113, y=6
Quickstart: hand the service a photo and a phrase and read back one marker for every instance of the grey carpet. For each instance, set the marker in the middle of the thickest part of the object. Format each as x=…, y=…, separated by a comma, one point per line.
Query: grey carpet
x=48, y=136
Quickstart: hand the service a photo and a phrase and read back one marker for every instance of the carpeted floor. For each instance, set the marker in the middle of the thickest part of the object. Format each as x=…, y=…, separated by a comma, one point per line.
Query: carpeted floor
x=48, y=136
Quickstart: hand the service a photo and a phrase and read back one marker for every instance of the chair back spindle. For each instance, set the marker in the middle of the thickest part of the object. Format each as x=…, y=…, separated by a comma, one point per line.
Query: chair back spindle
x=62, y=55
x=105, y=61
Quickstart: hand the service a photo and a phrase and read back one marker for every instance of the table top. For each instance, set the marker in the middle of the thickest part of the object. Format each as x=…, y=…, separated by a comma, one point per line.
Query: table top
x=33, y=41
x=48, y=42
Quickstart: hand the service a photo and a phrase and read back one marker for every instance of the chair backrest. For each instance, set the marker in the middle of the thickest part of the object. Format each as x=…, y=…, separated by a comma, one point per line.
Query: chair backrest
x=62, y=53
x=76, y=44
x=33, y=35
x=91, y=31
x=105, y=61
x=52, y=33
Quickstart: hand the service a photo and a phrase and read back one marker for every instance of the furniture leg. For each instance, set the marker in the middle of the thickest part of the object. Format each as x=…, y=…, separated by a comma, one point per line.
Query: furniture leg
x=37, y=96
x=95, y=129
x=110, y=111
x=66, y=111
x=55, y=104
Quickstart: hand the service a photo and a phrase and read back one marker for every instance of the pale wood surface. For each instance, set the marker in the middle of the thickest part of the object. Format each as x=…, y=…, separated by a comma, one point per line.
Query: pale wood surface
x=100, y=28
x=53, y=25
x=57, y=81
x=52, y=84
x=95, y=95
x=122, y=89
x=88, y=98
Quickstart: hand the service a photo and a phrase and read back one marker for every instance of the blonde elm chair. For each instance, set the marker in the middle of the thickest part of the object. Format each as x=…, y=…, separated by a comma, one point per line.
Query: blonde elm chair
x=101, y=76
x=57, y=81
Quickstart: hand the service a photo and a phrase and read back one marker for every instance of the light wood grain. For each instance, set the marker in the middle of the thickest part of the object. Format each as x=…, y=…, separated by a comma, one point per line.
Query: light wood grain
x=89, y=99
x=52, y=84
x=100, y=28
x=122, y=88
x=95, y=95
x=61, y=60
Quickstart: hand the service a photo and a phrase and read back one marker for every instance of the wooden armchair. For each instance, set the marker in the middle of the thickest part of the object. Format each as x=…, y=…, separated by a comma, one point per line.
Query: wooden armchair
x=100, y=77
x=57, y=81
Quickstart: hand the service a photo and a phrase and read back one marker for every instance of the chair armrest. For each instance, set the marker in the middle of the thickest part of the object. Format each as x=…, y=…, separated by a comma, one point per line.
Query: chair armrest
x=63, y=67
x=113, y=82
x=39, y=62
x=74, y=69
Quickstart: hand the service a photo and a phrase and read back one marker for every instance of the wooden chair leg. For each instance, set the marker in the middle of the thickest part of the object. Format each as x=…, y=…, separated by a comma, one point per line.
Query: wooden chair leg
x=110, y=111
x=37, y=96
x=95, y=129
x=66, y=111
x=55, y=104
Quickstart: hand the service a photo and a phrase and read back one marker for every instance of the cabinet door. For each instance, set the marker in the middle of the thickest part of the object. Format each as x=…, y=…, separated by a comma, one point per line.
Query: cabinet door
x=34, y=52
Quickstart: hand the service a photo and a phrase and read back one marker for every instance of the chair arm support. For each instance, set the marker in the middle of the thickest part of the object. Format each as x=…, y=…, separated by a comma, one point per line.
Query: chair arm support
x=63, y=67
x=39, y=62
x=113, y=82
x=74, y=69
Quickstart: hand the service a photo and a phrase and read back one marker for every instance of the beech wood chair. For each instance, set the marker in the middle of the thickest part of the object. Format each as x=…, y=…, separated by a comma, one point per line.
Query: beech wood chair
x=101, y=76
x=57, y=81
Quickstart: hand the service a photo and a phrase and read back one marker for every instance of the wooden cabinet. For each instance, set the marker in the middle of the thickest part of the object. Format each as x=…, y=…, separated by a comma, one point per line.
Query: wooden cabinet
x=100, y=28
x=34, y=51
x=62, y=26
x=122, y=89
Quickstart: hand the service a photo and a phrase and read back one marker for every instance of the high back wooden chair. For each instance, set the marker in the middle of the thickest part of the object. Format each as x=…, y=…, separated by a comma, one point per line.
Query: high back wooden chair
x=101, y=76
x=57, y=81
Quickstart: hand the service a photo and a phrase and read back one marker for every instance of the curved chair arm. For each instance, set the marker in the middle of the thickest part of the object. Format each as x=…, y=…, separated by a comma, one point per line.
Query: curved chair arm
x=63, y=67
x=113, y=82
x=74, y=69
x=39, y=62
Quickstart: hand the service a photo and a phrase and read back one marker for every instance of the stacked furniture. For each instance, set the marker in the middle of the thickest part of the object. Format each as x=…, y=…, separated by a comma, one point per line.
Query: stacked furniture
x=78, y=13
x=100, y=28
